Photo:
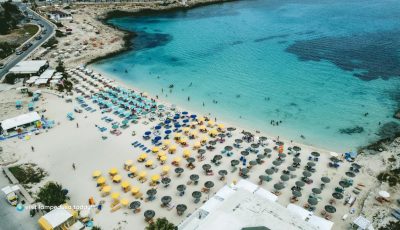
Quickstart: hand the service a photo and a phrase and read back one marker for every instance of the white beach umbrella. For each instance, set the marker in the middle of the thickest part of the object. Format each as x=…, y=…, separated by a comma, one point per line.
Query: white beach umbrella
x=384, y=194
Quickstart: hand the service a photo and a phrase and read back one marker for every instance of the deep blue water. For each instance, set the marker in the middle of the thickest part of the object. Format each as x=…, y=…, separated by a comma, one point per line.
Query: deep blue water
x=323, y=68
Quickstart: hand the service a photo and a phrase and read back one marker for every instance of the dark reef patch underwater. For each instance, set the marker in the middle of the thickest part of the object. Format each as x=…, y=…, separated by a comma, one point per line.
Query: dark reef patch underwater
x=369, y=56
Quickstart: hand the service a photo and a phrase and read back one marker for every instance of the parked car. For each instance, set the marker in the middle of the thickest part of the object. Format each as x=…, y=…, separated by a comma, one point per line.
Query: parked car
x=38, y=37
x=2, y=65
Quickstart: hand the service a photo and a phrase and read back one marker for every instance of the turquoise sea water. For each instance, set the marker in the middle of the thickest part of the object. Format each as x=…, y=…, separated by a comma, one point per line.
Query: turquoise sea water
x=317, y=66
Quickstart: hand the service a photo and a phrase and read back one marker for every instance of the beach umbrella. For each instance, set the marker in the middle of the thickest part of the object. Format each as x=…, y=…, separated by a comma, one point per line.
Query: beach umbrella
x=260, y=156
x=296, y=160
x=151, y=192
x=106, y=189
x=134, y=190
x=244, y=153
x=306, y=174
x=355, y=165
x=206, y=167
x=279, y=143
x=262, y=138
x=212, y=142
x=312, y=201
x=278, y=186
x=117, y=178
x=344, y=184
x=149, y=214
x=300, y=183
x=267, y=150
x=384, y=194
x=254, y=146
x=201, y=151
x=217, y=157
x=209, y=184
x=311, y=164
x=147, y=133
x=252, y=163
x=238, y=141
x=190, y=160
x=291, y=168
x=316, y=190
x=350, y=174
x=315, y=154
x=263, y=178
x=337, y=195
x=134, y=205
x=167, y=131
x=234, y=163
x=296, y=148
x=296, y=193
x=179, y=170
x=222, y=172
x=245, y=171
x=166, y=180
x=165, y=200
x=155, y=178
x=230, y=129
x=181, y=188
x=113, y=171
x=221, y=135
x=277, y=163
x=180, y=208
x=186, y=153
x=281, y=155
x=330, y=209
x=115, y=196
x=196, y=194
x=194, y=177
x=284, y=177
x=325, y=179
x=269, y=171
x=96, y=173
x=124, y=202
x=125, y=184
x=228, y=148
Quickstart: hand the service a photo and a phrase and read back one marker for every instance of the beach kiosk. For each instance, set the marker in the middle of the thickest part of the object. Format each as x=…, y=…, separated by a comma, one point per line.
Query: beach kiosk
x=58, y=219
x=23, y=120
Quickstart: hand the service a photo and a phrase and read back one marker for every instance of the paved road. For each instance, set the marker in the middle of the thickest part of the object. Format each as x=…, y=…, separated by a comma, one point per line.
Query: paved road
x=10, y=218
x=14, y=59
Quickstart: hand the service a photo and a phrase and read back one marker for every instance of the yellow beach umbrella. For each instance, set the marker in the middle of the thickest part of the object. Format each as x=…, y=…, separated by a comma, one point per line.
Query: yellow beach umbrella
x=204, y=138
x=117, y=178
x=133, y=169
x=197, y=145
x=184, y=141
x=155, y=149
x=143, y=156
x=186, y=129
x=202, y=128
x=113, y=171
x=193, y=124
x=96, y=173
x=134, y=190
x=160, y=154
x=155, y=177
x=186, y=153
x=106, y=189
x=221, y=126
x=124, y=202
x=125, y=184
x=211, y=123
x=163, y=158
x=142, y=174
x=115, y=195
x=166, y=142
x=128, y=163
x=101, y=180
x=177, y=159
x=165, y=168
x=149, y=163
x=193, y=133
x=177, y=135
x=201, y=119
x=172, y=148
x=213, y=132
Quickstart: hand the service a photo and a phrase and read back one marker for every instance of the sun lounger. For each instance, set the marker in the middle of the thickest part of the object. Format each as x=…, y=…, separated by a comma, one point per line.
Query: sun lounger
x=396, y=215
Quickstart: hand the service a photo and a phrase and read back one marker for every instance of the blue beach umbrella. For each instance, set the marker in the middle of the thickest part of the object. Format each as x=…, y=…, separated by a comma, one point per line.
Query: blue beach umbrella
x=167, y=121
x=147, y=133
x=193, y=116
x=177, y=125
x=157, y=127
x=185, y=113
x=167, y=131
x=185, y=121
x=157, y=138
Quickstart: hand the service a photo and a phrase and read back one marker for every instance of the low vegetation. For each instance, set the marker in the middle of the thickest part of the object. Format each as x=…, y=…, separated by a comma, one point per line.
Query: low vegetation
x=28, y=173
x=390, y=176
x=161, y=224
x=9, y=17
x=7, y=49
x=52, y=194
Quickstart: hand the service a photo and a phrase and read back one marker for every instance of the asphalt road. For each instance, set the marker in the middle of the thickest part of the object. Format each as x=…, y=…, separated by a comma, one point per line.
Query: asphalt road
x=10, y=218
x=14, y=59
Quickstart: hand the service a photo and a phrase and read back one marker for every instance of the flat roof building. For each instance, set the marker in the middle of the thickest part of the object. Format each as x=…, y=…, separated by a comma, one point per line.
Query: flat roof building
x=30, y=67
x=21, y=120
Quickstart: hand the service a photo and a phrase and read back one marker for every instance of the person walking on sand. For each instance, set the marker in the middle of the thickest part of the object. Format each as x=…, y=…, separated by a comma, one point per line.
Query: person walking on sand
x=73, y=166
x=33, y=149
x=77, y=125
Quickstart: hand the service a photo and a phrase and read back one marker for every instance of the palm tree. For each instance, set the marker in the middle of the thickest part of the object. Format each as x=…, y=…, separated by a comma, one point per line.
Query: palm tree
x=161, y=224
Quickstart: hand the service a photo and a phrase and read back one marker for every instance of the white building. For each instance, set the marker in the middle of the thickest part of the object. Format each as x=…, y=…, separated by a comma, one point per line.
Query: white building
x=58, y=15
x=19, y=121
x=35, y=67
x=246, y=205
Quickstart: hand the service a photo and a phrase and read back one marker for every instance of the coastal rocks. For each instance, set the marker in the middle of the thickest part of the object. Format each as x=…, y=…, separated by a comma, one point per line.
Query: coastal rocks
x=352, y=130
x=397, y=114
x=389, y=130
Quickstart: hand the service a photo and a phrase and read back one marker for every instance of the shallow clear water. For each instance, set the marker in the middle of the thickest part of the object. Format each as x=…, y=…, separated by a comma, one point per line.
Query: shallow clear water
x=318, y=66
